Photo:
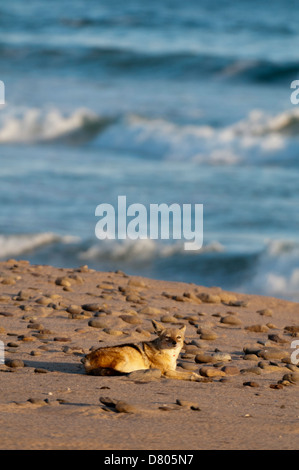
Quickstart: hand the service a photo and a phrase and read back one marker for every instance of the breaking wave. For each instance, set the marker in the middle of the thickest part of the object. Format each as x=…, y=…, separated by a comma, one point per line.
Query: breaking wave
x=140, y=250
x=277, y=271
x=16, y=245
x=260, y=137
x=34, y=126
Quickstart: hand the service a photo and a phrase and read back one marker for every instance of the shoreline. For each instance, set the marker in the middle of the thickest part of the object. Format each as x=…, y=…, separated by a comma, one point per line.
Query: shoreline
x=239, y=343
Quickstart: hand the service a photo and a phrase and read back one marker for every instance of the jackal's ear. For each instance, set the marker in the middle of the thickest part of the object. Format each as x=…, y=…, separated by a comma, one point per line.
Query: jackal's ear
x=183, y=329
x=158, y=327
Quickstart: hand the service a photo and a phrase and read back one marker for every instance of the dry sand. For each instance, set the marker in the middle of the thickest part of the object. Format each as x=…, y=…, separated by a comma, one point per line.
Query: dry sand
x=48, y=402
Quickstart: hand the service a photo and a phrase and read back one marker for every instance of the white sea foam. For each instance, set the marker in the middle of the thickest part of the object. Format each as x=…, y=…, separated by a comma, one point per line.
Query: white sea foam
x=34, y=125
x=141, y=250
x=277, y=271
x=16, y=245
x=254, y=138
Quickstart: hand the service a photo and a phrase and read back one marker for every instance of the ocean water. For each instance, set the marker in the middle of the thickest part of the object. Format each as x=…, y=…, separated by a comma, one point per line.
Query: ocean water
x=164, y=102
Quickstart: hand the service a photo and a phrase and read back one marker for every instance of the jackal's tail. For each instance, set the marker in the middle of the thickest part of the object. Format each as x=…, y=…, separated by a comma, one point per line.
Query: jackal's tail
x=101, y=371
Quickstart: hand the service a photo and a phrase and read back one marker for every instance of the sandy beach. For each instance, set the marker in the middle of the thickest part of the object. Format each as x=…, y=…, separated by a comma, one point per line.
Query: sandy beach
x=240, y=345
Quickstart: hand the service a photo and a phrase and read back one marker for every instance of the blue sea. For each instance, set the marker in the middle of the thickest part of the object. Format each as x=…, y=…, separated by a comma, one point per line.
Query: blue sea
x=163, y=101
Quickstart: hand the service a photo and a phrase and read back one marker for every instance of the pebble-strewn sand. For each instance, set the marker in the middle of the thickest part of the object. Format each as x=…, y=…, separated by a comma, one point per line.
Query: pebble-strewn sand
x=240, y=345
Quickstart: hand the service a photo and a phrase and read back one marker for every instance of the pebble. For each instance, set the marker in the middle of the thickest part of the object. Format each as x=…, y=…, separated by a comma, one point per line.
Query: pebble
x=267, y=312
x=292, y=329
x=43, y=300
x=107, y=401
x=24, y=294
x=209, y=298
x=6, y=314
x=293, y=377
x=206, y=371
x=167, y=295
x=92, y=307
x=180, y=298
x=150, y=311
x=9, y=281
x=131, y=319
x=207, y=334
x=291, y=366
x=137, y=283
x=135, y=299
x=277, y=339
x=35, y=353
x=74, y=309
x=269, y=354
x=4, y=298
x=40, y=370
x=104, y=310
x=204, y=358
x=251, y=384
x=191, y=349
x=77, y=278
x=257, y=328
x=252, y=349
x=276, y=386
x=35, y=326
x=221, y=356
x=67, y=289
x=42, y=311
x=269, y=367
x=238, y=303
x=196, y=343
x=192, y=296
x=63, y=281
x=14, y=363
x=226, y=297
x=26, y=308
x=192, y=319
x=97, y=324
x=62, y=339
x=168, y=319
x=84, y=269
x=250, y=357
x=111, y=331
x=187, y=356
x=124, y=407
x=231, y=320
x=230, y=370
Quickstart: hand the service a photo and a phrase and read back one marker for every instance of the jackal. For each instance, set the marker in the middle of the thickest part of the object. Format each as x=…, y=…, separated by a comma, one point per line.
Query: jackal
x=160, y=353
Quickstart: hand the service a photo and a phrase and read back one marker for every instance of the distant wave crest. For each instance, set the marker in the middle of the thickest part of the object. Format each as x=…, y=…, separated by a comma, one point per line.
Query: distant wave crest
x=19, y=244
x=34, y=125
x=256, y=138
x=140, y=250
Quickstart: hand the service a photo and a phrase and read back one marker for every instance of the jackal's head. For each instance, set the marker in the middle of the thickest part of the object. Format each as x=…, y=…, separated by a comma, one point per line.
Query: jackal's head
x=170, y=338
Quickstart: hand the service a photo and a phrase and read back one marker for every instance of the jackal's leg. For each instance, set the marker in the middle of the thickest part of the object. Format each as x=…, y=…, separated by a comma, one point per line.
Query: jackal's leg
x=183, y=375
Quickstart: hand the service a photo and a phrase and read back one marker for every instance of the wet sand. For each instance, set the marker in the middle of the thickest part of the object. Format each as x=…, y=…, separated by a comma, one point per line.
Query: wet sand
x=239, y=344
